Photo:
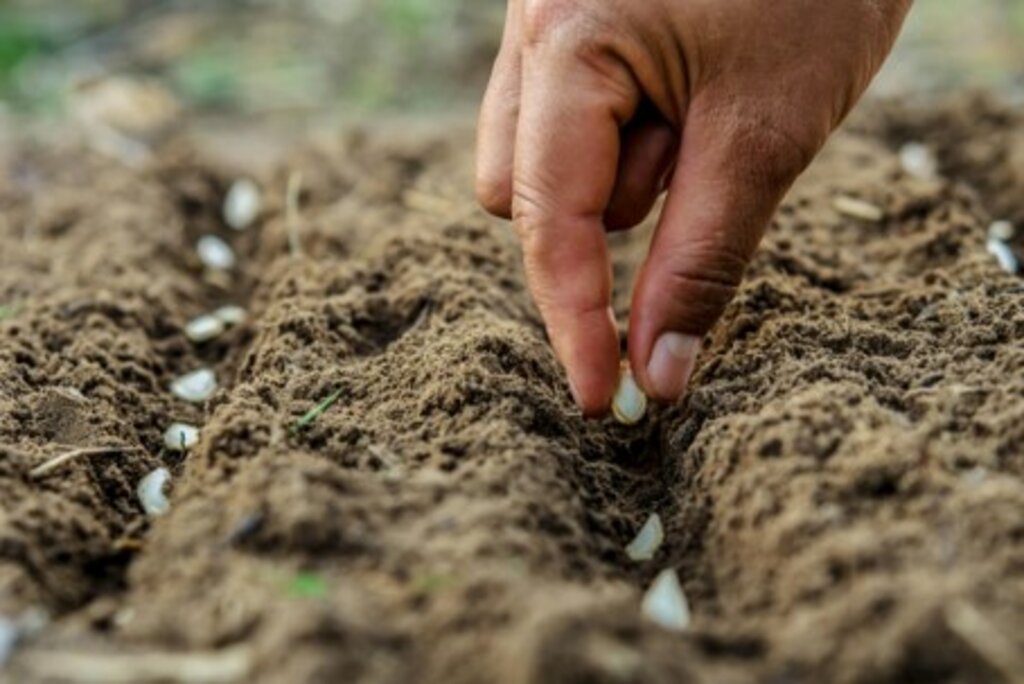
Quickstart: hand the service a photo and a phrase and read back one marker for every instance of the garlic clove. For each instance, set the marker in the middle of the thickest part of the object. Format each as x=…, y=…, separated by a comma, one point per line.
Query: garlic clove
x=630, y=403
x=195, y=387
x=151, y=492
x=181, y=437
x=242, y=204
x=648, y=540
x=230, y=315
x=665, y=603
x=204, y=328
x=215, y=253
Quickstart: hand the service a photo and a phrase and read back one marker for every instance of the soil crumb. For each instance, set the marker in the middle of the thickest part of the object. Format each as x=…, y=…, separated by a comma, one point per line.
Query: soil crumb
x=392, y=484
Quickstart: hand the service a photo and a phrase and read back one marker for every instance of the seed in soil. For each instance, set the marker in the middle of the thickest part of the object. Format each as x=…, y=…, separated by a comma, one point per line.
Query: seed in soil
x=242, y=204
x=858, y=209
x=630, y=403
x=181, y=437
x=665, y=603
x=1004, y=255
x=215, y=253
x=204, y=328
x=1001, y=230
x=151, y=492
x=195, y=387
x=648, y=540
x=230, y=315
x=919, y=161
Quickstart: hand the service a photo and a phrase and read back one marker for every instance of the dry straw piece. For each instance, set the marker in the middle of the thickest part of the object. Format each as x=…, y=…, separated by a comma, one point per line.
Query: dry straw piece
x=858, y=209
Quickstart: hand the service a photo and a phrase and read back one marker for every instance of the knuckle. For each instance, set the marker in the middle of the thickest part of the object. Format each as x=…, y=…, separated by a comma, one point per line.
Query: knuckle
x=544, y=18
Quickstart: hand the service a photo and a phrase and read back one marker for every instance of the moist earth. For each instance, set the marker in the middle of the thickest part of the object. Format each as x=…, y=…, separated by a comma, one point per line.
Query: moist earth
x=842, y=487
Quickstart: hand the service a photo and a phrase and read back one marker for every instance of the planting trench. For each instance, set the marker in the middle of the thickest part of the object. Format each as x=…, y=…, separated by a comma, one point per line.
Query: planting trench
x=842, y=488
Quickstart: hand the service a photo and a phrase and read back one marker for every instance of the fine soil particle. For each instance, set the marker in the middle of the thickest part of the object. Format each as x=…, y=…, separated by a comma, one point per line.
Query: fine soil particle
x=842, y=488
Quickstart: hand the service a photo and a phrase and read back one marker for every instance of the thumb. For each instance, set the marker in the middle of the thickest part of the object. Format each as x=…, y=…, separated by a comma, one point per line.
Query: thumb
x=731, y=174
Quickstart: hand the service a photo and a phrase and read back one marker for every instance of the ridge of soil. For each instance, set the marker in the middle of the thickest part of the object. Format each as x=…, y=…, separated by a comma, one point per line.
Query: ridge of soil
x=842, y=487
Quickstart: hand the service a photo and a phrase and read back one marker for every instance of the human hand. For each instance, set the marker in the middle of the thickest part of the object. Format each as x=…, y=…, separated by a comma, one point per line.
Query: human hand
x=597, y=106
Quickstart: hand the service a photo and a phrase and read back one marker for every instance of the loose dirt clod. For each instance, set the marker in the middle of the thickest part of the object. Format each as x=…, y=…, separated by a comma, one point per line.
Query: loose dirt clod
x=648, y=540
x=665, y=603
x=242, y=204
x=629, y=403
x=151, y=492
x=195, y=387
x=858, y=209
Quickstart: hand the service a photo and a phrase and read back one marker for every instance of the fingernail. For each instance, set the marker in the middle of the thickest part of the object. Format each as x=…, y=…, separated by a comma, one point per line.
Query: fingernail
x=671, y=364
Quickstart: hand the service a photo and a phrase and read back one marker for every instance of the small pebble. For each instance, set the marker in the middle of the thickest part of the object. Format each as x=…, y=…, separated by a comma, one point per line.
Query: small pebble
x=1001, y=230
x=151, y=492
x=181, y=437
x=1004, y=255
x=630, y=403
x=215, y=253
x=204, y=328
x=919, y=161
x=242, y=204
x=665, y=604
x=858, y=209
x=648, y=540
x=196, y=387
x=230, y=315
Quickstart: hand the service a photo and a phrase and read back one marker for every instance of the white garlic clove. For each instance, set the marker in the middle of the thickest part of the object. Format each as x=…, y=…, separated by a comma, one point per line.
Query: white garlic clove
x=858, y=209
x=918, y=160
x=665, y=603
x=204, y=328
x=151, y=492
x=1004, y=255
x=230, y=315
x=181, y=437
x=195, y=387
x=242, y=204
x=1001, y=230
x=630, y=403
x=9, y=635
x=215, y=253
x=648, y=540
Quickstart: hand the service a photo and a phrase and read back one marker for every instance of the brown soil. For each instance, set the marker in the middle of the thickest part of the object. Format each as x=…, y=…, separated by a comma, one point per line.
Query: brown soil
x=842, y=488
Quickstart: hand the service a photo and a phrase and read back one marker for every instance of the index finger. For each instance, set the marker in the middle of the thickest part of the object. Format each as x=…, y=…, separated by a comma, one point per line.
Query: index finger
x=566, y=159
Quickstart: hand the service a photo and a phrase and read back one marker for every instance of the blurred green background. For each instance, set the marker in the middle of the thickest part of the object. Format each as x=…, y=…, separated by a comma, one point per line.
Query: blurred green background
x=269, y=59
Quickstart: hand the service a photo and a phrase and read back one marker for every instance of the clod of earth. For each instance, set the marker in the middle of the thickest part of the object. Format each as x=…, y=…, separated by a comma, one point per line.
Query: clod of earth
x=151, y=492
x=242, y=204
x=648, y=540
x=665, y=603
x=858, y=209
x=195, y=387
x=215, y=253
x=630, y=403
x=181, y=437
